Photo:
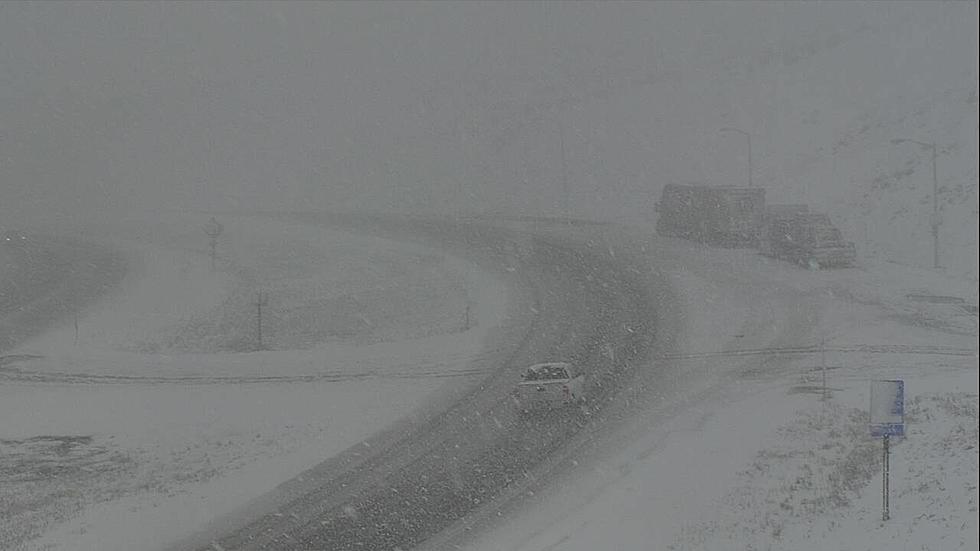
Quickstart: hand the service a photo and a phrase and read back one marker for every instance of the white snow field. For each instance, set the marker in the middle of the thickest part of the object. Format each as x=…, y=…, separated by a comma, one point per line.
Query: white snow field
x=153, y=424
x=727, y=441
x=740, y=447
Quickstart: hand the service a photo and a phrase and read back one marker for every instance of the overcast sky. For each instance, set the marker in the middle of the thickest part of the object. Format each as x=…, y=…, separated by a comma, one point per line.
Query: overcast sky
x=112, y=107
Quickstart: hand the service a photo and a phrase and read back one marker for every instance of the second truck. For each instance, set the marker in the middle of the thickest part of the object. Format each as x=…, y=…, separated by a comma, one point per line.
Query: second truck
x=731, y=216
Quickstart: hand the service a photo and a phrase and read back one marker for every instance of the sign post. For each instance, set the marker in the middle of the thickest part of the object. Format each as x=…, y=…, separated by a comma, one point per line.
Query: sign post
x=887, y=420
x=884, y=477
x=213, y=229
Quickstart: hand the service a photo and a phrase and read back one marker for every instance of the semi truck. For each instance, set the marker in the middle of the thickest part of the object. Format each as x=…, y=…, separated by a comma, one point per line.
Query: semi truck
x=732, y=216
x=726, y=216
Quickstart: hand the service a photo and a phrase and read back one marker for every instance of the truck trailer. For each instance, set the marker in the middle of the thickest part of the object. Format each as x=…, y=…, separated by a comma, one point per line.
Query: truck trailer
x=731, y=216
x=727, y=216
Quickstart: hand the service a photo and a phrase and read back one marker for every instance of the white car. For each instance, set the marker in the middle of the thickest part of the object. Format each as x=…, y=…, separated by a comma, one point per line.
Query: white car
x=550, y=385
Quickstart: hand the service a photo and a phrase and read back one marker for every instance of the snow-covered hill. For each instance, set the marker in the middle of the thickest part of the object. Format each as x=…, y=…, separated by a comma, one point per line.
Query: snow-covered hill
x=823, y=90
x=122, y=437
x=838, y=112
x=823, y=108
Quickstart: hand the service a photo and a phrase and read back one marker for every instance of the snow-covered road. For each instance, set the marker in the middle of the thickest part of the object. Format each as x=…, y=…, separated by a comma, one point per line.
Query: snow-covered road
x=727, y=435
x=141, y=441
x=738, y=449
x=586, y=308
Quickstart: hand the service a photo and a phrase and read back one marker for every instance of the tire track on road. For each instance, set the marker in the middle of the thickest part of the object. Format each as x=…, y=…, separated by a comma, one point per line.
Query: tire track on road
x=437, y=473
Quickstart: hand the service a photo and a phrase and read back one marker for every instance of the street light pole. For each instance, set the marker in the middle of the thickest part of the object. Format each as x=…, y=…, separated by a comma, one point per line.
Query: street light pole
x=748, y=138
x=564, y=169
x=935, y=211
x=934, y=220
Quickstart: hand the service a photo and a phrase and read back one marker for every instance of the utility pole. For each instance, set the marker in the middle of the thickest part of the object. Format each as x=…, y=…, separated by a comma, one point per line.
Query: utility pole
x=260, y=300
x=459, y=197
x=564, y=169
x=823, y=365
x=935, y=220
x=748, y=138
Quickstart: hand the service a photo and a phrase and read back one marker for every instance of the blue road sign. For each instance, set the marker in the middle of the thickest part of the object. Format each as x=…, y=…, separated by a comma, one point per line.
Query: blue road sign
x=888, y=408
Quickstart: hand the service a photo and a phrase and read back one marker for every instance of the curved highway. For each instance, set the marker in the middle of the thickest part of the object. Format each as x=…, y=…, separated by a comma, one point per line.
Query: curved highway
x=425, y=476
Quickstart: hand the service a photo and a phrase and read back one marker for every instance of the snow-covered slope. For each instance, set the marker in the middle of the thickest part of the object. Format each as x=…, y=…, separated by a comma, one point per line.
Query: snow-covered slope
x=823, y=112
x=822, y=89
x=837, y=113
x=120, y=439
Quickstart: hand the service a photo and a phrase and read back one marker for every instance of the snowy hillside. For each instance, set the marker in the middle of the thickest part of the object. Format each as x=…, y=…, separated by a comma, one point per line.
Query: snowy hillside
x=823, y=113
x=126, y=436
x=494, y=107
x=822, y=97
x=838, y=114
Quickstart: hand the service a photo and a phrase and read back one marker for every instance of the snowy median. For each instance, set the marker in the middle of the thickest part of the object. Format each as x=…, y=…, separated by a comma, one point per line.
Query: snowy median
x=161, y=412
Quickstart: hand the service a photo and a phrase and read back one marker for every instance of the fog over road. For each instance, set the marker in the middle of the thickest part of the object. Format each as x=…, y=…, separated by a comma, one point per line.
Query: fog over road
x=407, y=486
x=46, y=279
x=466, y=465
x=518, y=180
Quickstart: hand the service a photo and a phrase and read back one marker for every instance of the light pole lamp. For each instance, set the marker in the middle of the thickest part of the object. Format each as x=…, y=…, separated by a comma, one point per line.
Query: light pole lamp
x=934, y=221
x=748, y=139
